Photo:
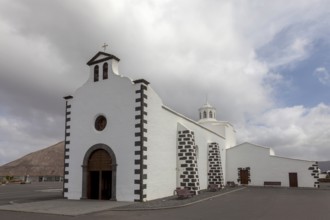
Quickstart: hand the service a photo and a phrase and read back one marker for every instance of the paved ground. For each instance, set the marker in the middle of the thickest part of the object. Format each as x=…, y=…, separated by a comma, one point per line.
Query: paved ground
x=81, y=207
x=325, y=186
x=174, y=202
x=22, y=193
x=64, y=207
x=255, y=203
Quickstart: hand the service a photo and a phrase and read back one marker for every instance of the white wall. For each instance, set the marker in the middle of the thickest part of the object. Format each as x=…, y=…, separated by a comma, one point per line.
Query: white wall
x=265, y=167
x=222, y=128
x=230, y=135
x=162, y=148
x=115, y=99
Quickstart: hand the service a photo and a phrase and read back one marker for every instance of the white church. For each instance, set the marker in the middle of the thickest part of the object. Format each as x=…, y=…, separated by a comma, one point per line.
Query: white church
x=123, y=143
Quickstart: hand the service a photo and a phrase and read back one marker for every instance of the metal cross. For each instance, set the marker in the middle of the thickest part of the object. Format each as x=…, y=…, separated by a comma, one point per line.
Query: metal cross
x=105, y=46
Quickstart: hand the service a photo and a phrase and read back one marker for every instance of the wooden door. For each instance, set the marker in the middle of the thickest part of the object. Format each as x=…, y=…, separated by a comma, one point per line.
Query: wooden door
x=100, y=176
x=244, y=175
x=94, y=181
x=106, y=185
x=293, y=179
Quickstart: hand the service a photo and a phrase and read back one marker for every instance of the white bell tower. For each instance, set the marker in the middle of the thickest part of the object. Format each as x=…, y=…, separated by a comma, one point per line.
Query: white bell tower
x=207, y=113
x=207, y=119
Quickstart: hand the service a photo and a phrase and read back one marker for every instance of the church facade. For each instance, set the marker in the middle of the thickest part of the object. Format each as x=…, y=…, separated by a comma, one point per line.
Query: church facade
x=122, y=143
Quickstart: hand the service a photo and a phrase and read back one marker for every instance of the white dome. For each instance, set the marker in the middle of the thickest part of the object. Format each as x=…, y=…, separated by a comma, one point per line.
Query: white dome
x=207, y=112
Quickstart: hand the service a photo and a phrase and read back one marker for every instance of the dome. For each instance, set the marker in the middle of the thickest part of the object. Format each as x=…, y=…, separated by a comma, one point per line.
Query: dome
x=207, y=105
x=207, y=112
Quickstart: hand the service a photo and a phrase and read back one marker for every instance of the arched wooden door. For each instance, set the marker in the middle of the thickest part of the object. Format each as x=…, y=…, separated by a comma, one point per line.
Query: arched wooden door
x=99, y=168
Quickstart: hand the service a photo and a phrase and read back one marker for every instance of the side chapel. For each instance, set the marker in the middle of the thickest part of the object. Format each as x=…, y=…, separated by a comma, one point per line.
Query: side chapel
x=122, y=143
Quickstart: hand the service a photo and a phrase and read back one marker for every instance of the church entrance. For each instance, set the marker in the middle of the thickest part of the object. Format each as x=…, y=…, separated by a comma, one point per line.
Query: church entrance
x=99, y=179
x=293, y=179
x=244, y=176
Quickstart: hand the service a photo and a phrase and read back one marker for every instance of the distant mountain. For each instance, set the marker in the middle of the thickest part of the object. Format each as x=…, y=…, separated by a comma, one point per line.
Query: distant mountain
x=45, y=162
x=324, y=165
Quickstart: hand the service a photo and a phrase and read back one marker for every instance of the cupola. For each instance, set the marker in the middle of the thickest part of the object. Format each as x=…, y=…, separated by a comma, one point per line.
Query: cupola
x=207, y=113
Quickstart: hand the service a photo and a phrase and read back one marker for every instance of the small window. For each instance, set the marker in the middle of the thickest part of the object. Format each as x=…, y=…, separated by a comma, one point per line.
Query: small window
x=105, y=71
x=200, y=115
x=96, y=73
x=211, y=115
x=100, y=123
x=205, y=114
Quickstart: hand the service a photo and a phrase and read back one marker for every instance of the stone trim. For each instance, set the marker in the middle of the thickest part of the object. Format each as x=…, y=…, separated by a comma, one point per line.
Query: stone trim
x=187, y=161
x=108, y=57
x=66, y=141
x=85, y=171
x=141, y=139
x=215, y=174
x=141, y=81
x=314, y=169
x=68, y=97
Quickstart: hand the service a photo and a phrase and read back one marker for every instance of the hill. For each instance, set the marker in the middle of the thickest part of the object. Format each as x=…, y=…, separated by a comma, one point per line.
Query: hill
x=45, y=162
x=324, y=165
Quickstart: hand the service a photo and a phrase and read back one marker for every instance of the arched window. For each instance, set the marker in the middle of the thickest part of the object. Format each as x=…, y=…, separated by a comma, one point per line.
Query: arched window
x=211, y=115
x=200, y=115
x=96, y=73
x=205, y=114
x=105, y=71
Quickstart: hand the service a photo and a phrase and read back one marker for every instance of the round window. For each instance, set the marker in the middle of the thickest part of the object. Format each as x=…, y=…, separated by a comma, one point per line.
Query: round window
x=100, y=123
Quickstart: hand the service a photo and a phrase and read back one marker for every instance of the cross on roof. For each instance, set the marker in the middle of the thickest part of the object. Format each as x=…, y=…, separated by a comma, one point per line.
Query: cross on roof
x=105, y=46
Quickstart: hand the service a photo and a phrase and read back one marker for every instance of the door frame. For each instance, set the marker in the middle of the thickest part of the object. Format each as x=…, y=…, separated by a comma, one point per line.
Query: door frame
x=293, y=179
x=85, y=170
x=246, y=175
x=246, y=169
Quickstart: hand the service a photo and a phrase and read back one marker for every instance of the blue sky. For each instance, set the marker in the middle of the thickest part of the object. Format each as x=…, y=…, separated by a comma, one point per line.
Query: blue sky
x=263, y=64
x=301, y=77
x=306, y=88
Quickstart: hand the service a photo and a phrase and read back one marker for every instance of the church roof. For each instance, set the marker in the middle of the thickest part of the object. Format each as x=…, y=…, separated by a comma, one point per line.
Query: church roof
x=207, y=105
x=105, y=56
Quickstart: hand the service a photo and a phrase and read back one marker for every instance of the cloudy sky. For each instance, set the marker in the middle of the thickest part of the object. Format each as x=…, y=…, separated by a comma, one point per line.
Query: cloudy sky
x=265, y=65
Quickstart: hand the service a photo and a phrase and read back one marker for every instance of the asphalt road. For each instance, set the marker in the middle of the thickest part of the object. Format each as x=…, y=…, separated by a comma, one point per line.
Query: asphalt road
x=21, y=193
x=252, y=203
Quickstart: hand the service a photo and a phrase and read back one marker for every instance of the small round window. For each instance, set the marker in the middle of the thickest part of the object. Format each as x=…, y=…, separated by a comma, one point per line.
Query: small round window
x=100, y=123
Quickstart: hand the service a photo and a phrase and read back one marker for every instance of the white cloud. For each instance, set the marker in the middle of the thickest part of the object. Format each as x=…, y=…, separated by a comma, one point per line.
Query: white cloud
x=20, y=136
x=295, y=131
x=293, y=52
x=186, y=49
x=322, y=75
